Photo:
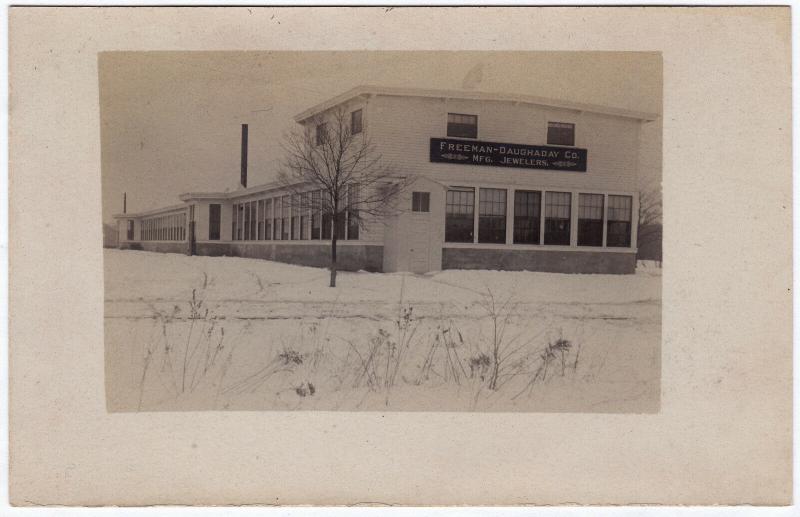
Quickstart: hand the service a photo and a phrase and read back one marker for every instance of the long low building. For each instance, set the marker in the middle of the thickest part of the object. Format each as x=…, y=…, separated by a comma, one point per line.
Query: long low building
x=499, y=182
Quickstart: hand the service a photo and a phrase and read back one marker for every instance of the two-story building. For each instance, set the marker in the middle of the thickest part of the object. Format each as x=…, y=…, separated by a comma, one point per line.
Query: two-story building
x=499, y=182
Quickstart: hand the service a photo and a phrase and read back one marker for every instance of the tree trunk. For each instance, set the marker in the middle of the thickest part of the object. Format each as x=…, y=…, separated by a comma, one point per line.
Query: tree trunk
x=334, y=236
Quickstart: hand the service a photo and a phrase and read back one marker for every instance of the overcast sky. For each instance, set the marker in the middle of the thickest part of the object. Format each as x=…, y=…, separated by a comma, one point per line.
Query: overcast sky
x=171, y=120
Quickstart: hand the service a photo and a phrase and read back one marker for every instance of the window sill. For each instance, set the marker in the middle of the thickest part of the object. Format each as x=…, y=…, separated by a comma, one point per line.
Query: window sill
x=536, y=247
x=295, y=242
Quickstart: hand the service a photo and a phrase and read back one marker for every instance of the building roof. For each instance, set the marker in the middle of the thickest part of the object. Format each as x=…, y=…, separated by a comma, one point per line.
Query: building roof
x=155, y=211
x=366, y=90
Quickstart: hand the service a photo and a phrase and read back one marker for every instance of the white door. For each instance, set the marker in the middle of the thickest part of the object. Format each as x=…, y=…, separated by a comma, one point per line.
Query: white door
x=419, y=245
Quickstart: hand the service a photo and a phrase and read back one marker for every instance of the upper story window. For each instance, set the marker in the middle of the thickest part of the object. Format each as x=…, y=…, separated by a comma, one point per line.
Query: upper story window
x=463, y=126
x=560, y=133
x=420, y=201
x=356, y=125
x=322, y=133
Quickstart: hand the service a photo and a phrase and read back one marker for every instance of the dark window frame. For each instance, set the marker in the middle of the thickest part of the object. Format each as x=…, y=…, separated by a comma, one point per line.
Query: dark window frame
x=286, y=218
x=619, y=231
x=527, y=217
x=316, y=215
x=268, y=219
x=491, y=221
x=420, y=201
x=557, y=230
x=353, y=216
x=590, y=227
x=321, y=133
x=356, y=121
x=459, y=215
x=214, y=221
x=558, y=136
x=457, y=127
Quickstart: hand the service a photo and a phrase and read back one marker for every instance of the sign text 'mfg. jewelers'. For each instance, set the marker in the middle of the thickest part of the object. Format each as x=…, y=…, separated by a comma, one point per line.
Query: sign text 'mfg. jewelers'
x=472, y=152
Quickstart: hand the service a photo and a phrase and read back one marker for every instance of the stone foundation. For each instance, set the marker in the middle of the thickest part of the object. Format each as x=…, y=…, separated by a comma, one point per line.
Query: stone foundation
x=539, y=260
x=368, y=257
x=159, y=247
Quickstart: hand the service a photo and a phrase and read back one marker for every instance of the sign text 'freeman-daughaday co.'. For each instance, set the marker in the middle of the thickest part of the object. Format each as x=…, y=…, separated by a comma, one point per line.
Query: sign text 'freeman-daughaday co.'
x=473, y=152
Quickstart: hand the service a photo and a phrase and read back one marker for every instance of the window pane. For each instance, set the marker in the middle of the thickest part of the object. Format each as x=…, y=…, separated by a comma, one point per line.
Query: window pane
x=295, y=217
x=619, y=221
x=321, y=133
x=316, y=217
x=285, y=223
x=276, y=233
x=303, y=209
x=352, y=213
x=492, y=216
x=464, y=126
x=459, y=215
x=340, y=225
x=557, y=213
x=253, y=216
x=527, y=216
x=560, y=133
x=355, y=122
x=246, y=221
x=421, y=201
x=233, y=221
x=590, y=220
x=268, y=220
x=214, y=214
x=326, y=225
x=260, y=219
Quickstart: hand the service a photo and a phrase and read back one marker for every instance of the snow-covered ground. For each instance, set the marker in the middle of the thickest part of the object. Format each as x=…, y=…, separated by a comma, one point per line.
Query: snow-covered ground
x=231, y=333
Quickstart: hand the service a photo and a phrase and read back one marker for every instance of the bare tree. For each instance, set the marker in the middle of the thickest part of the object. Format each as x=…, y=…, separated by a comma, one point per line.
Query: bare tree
x=650, y=213
x=338, y=176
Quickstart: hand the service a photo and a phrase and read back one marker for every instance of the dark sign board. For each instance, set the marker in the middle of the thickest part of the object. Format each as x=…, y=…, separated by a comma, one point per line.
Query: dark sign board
x=473, y=152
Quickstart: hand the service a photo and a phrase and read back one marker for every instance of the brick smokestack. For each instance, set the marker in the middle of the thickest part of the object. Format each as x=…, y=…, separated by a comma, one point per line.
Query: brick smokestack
x=244, y=156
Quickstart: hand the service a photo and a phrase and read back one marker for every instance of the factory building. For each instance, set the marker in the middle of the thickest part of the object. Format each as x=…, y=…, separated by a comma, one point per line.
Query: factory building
x=499, y=181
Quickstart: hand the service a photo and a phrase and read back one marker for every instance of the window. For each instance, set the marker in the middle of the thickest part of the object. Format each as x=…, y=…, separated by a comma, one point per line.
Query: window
x=295, y=217
x=260, y=219
x=460, y=215
x=527, y=216
x=214, y=215
x=492, y=216
x=590, y=220
x=463, y=126
x=233, y=221
x=268, y=219
x=303, y=208
x=286, y=211
x=420, y=201
x=340, y=224
x=277, y=220
x=560, y=133
x=352, y=212
x=253, y=216
x=327, y=221
x=130, y=229
x=316, y=217
x=322, y=133
x=355, y=122
x=246, y=223
x=557, y=213
x=619, y=221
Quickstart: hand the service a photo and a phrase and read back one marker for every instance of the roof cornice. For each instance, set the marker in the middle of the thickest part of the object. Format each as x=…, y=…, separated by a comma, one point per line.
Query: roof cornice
x=366, y=90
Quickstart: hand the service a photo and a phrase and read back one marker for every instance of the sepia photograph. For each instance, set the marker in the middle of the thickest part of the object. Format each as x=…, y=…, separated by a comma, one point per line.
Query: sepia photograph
x=426, y=231
x=483, y=256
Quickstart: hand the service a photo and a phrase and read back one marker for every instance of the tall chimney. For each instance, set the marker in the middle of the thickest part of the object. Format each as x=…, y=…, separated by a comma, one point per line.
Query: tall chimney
x=244, y=156
x=124, y=202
